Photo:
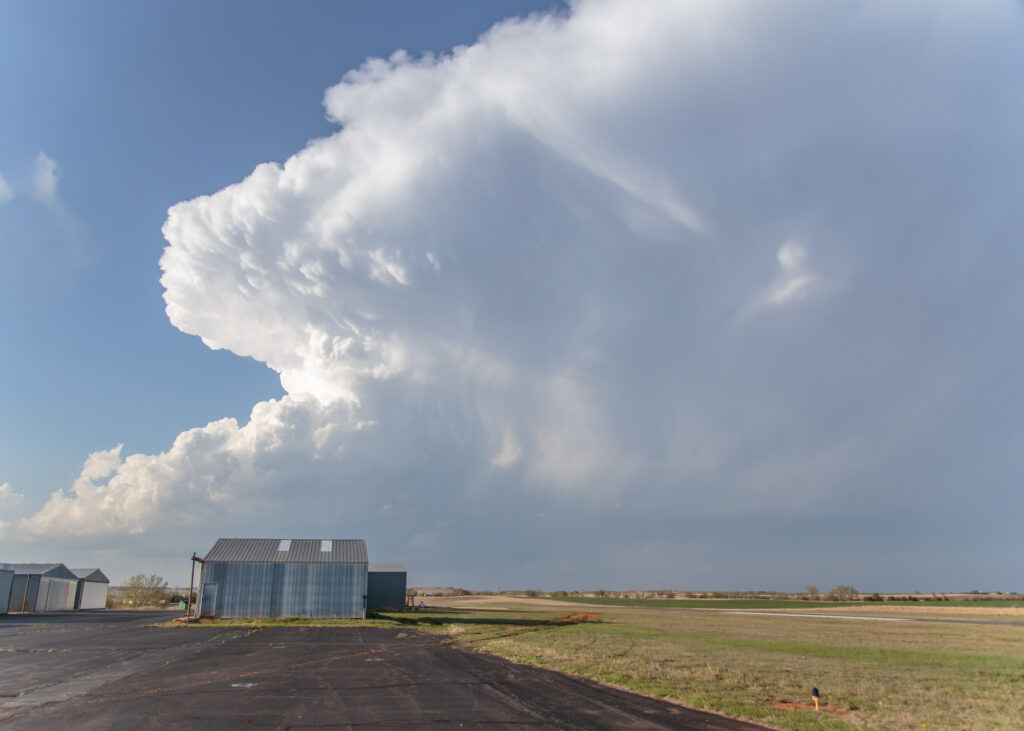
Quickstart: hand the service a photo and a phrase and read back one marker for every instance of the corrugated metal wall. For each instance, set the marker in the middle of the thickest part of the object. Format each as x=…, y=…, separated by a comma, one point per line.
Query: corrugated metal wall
x=23, y=593
x=385, y=590
x=55, y=595
x=284, y=589
x=91, y=595
x=6, y=581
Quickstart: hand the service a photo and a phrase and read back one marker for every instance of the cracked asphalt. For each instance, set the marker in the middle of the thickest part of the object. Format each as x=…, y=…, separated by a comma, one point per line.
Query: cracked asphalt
x=107, y=669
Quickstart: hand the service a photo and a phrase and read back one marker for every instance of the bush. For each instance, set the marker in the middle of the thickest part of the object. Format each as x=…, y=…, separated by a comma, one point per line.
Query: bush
x=843, y=593
x=145, y=591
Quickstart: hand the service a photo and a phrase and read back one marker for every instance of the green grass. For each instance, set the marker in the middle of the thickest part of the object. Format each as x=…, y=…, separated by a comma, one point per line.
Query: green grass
x=785, y=603
x=874, y=675
x=706, y=603
x=982, y=603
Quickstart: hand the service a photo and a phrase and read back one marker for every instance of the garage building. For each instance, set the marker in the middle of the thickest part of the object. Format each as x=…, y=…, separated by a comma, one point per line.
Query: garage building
x=6, y=580
x=386, y=586
x=271, y=577
x=41, y=587
x=91, y=592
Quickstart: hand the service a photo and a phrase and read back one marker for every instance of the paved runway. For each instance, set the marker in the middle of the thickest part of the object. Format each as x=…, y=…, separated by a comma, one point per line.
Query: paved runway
x=107, y=670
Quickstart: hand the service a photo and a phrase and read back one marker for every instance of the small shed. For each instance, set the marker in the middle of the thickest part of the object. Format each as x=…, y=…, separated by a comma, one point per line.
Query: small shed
x=386, y=586
x=41, y=587
x=273, y=577
x=91, y=592
x=6, y=580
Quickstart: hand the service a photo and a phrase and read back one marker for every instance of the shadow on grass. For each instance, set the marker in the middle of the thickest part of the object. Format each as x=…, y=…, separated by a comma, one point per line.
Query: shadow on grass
x=469, y=617
x=440, y=619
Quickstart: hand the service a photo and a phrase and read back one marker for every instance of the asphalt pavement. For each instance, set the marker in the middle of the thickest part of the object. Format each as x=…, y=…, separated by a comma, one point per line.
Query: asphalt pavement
x=107, y=669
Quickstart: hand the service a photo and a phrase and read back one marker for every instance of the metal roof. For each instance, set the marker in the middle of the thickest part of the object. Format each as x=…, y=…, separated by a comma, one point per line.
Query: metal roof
x=299, y=550
x=387, y=568
x=91, y=575
x=53, y=570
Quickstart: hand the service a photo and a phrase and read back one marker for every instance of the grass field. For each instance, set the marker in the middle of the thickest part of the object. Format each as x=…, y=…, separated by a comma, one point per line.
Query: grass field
x=707, y=603
x=886, y=675
x=871, y=674
x=791, y=603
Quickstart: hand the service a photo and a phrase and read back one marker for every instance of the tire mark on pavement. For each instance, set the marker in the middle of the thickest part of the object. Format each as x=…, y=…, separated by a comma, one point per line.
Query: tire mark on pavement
x=82, y=684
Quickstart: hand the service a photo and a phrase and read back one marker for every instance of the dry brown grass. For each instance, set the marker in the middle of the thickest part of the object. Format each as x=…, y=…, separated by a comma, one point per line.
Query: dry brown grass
x=872, y=674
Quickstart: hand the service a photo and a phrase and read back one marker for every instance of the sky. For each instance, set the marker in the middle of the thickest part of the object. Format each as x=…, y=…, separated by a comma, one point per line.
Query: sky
x=699, y=295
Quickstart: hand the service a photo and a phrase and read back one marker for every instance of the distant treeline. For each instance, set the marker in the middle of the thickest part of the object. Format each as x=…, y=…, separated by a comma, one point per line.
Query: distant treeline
x=840, y=593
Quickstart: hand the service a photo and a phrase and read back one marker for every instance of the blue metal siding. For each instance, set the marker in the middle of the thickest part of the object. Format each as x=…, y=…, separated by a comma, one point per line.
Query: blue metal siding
x=385, y=590
x=286, y=589
x=6, y=582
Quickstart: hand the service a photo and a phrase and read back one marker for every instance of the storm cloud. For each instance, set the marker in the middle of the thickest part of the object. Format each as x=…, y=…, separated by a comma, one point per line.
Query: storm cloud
x=653, y=293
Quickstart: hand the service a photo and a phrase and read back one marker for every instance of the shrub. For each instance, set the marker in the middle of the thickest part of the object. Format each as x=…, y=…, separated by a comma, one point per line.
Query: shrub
x=142, y=590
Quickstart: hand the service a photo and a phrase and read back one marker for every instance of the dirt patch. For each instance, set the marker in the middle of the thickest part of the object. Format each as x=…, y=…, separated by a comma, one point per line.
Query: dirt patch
x=797, y=706
x=491, y=601
x=576, y=618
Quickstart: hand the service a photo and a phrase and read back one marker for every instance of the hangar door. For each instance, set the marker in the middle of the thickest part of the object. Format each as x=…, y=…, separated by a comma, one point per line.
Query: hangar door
x=209, y=600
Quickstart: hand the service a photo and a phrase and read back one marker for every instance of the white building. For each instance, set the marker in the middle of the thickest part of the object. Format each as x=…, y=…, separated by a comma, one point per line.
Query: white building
x=92, y=589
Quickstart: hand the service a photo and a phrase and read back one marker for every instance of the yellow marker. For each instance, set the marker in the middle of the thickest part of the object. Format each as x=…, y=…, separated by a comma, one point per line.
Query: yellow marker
x=814, y=696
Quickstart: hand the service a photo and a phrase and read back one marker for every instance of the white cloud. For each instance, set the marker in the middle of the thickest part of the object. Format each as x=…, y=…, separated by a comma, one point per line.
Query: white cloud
x=795, y=281
x=44, y=178
x=507, y=285
x=41, y=241
x=9, y=499
x=12, y=506
x=510, y=451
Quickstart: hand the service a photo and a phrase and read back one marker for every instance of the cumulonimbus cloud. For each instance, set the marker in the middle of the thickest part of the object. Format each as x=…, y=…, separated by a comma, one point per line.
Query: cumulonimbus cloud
x=520, y=265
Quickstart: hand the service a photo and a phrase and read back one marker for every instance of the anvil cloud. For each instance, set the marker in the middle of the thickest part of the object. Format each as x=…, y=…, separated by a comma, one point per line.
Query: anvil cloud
x=612, y=283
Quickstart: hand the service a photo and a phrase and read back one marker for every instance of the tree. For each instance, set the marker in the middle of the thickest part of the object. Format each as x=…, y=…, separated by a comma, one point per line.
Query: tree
x=812, y=591
x=844, y=593
x=142, y=590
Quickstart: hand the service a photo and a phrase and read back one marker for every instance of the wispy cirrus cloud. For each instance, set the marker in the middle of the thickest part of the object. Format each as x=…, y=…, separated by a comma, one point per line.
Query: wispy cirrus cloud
x=45, y=176
x=795, y=281
x=41, y=240
x=5, y=190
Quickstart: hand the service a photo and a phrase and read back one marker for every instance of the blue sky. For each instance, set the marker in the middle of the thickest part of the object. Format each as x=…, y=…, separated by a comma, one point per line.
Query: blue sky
x=695, y=295
x=143, y=105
